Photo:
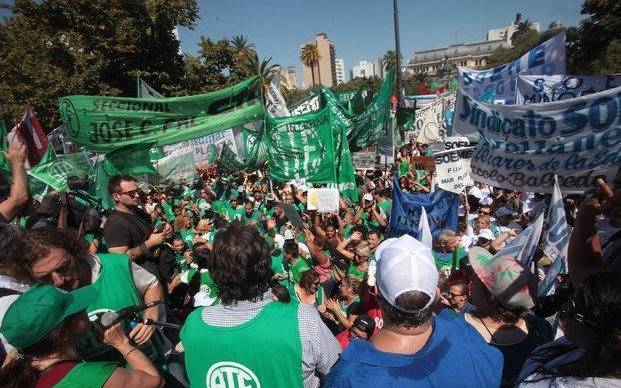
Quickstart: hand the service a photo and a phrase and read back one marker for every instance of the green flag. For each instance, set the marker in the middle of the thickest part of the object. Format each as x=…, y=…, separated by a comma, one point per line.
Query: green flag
x=100, y=189
x=374, y=121
x=104, y=124
x=5, y=168
x=311, y=146
x=132, y=159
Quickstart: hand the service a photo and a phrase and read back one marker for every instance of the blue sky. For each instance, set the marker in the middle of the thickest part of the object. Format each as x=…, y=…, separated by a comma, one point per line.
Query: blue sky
x=363, y=29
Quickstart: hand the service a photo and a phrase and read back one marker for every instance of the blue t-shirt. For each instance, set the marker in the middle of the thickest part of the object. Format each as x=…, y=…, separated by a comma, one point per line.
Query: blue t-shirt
x=455, y=356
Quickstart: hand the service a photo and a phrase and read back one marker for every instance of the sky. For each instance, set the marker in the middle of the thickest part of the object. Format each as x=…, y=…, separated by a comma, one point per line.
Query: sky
x=363, y=29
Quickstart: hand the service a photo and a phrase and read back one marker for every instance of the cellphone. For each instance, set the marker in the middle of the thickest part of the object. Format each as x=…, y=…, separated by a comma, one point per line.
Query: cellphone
x=159, y=229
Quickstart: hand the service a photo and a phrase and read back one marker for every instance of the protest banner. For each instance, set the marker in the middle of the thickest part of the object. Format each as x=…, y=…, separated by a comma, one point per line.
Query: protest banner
x=363, y=160
x=546, y=88
x=312, y=146
x=310, y=105
x=429, y=122
x=53, y=170
x=146, y=91
x=523, y=146
x=547, y=58
x=274, y=102
x=323, y=200
x=453, y=175
x=201, y=147
x=102, y=124
x=385, y=146
x=442, y=211
x=176, y=167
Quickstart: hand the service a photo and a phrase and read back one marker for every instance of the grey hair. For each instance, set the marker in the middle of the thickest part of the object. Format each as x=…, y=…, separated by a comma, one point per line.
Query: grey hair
x=445, y=236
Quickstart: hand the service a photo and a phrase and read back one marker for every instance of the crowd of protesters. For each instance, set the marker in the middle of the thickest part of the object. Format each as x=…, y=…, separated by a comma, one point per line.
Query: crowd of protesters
x=264, y=301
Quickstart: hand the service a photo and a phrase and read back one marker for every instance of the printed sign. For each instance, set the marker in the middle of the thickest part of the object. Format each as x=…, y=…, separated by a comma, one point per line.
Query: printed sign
x=201, y=146
x=323, y=200
x=363, y=160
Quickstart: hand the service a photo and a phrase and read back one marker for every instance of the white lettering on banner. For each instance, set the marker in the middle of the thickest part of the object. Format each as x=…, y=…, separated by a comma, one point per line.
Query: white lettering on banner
x=275, y=103
x=309, y=105
x=547, y=58
x=546, y=88
x=363, y=160
x=200, y=146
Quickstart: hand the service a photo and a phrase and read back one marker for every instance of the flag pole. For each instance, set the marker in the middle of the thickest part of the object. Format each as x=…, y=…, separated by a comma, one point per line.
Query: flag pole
x=395, y=6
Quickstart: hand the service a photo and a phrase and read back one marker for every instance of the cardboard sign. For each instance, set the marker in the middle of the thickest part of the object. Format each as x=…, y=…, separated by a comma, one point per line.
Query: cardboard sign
x=363, y=160
x=323, y=200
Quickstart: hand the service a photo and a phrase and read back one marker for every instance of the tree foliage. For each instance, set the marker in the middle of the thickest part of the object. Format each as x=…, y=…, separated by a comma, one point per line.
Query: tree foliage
x=53, y=48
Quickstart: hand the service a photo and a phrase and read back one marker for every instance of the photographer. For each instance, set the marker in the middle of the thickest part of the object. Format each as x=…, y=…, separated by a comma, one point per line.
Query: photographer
x=18, y=191
x=370, y=214
x=44, y=323
x=128, y=228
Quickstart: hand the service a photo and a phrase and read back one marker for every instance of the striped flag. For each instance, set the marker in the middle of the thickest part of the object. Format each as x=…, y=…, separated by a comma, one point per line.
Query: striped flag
x=29, y=132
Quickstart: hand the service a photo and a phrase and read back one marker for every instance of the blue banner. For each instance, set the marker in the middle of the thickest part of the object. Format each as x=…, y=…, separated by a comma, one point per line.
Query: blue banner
x=548, y=58
x=442, y=211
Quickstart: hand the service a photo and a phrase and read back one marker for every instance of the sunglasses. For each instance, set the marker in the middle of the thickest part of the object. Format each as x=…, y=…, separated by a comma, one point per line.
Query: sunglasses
x=484, y=213
x=130, y=193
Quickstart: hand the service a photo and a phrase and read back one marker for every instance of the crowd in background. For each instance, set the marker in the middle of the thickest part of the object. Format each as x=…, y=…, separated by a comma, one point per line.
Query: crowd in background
x=221, y=251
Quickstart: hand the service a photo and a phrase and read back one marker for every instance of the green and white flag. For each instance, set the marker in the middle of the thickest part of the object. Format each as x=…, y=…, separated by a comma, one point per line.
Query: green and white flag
x=103, y=124
x=146, y=91
x=311, y=146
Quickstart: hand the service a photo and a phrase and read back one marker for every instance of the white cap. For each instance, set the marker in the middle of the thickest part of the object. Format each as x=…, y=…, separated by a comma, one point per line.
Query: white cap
x=288, y=234
x=367, y=197
x=405, y=264
x=486, y=233
x=241, y=189
x=279, y=240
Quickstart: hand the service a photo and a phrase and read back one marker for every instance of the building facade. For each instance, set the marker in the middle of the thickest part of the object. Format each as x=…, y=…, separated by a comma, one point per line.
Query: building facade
x=325, y=72
x=364, y=69
x=470, y=55
x=290, y=75
x=340, y=70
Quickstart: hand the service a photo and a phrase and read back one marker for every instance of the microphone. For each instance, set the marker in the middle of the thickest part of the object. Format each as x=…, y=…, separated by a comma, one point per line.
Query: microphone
x=112, y=317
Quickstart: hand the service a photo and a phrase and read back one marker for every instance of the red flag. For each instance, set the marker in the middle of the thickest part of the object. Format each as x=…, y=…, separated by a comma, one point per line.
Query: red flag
x=30, y=132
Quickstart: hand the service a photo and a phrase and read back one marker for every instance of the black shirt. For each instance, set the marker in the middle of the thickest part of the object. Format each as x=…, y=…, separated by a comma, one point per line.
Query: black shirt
x=127, y=229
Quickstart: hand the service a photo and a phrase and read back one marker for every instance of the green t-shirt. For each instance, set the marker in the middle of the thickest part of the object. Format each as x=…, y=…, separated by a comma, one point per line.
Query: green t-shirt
x=187, y=236
x=279, y=268
x=295, y=270
x=355, y=272
x=87, y=374
x=444, y=261
x=348, y=230
x=208, y=290
x=404, y=168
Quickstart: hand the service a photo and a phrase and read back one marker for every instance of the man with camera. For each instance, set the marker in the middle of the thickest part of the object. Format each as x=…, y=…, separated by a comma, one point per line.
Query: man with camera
x=128, y=227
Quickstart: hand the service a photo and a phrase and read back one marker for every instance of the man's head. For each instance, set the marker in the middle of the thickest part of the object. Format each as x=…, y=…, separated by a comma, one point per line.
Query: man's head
x=447, y=241
x=178, y=243
x=373, y=239
x=124, y=190
x=363, y=327
x=53, y=257
x=458, y=289
x=482, y=222
x=291, y=250
x=11, y=259
x=240, y=264
x=249, y=205
x=407, y=280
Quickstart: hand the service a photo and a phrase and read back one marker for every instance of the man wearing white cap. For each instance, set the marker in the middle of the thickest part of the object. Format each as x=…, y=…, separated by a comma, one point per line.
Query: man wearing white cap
x=415, y=347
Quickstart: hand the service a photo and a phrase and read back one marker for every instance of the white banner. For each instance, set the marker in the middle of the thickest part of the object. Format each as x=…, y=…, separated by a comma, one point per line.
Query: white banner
x=323, y=200
x=547, y=58
x=546, y=88
x=429, y=122
x=200, y=146
x=310, y=105
x=146, y=91
x=523, y=146
x=176, y=167
x=275, y=103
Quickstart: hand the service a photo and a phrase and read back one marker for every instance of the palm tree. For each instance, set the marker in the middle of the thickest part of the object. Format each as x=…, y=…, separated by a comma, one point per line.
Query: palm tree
x=242, y=49
x=389, y=60
x=523, y=28
x=264, y=69
x=309, y=55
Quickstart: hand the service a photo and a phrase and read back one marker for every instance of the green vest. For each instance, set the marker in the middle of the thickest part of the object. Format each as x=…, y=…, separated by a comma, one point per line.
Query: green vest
x=87, y=374
x=353, y=271
x=295, y=270
x=208, y=289
x=263, y=352
x=115, y=290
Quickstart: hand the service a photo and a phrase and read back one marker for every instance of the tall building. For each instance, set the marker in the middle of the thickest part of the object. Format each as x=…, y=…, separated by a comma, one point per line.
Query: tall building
x=505, y=33
x=380, y=69
x=340, y=70
x=471, y=55
x=290, y=74
x=364, y=69
x=325, y=71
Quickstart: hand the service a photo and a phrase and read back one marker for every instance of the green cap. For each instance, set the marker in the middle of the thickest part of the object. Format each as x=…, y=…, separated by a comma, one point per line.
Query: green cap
x=38, y=311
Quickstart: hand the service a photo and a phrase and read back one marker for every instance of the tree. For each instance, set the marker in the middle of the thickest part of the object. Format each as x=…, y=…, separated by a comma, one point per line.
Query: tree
x=523, y=28
x=53, y=48
x=389, y=60
x=309, y=55
x=242, y=51
x=264, y=69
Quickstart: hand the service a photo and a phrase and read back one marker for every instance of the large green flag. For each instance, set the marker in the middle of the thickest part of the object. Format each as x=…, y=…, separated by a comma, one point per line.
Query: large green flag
x=5, y=168
x=311, y=146
x=132, y=159
x=374, y=121
x=100, y=189
x=103, y=124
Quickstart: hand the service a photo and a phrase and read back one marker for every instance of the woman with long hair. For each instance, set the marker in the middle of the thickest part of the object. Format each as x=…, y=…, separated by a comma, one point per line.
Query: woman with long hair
x=589, y=355
x=502, y=298
x=44, y=324
x=309, y=291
